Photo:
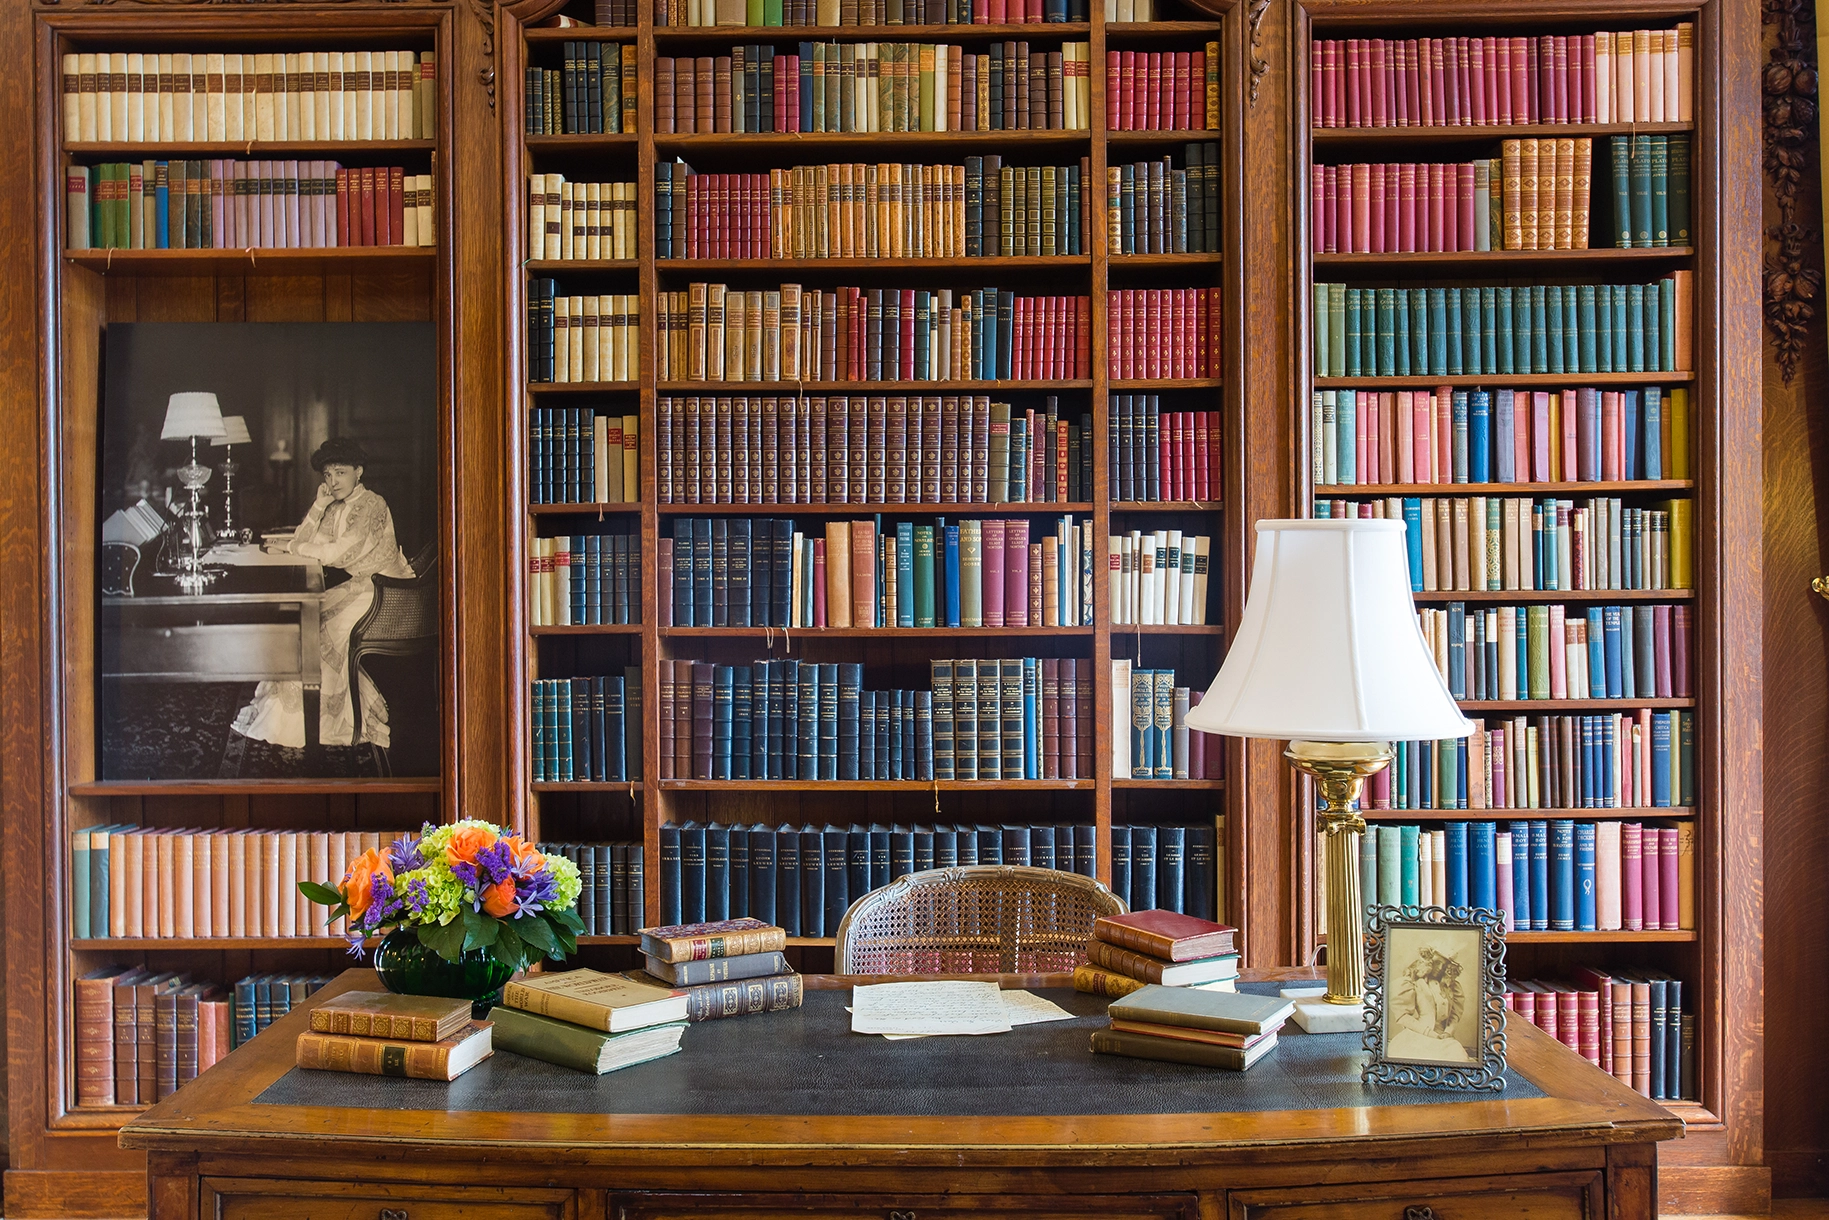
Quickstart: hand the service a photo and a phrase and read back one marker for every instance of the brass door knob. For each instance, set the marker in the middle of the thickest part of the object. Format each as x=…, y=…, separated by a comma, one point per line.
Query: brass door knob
x=901, y=1216
x=1419, y=1213
x=393, y=1213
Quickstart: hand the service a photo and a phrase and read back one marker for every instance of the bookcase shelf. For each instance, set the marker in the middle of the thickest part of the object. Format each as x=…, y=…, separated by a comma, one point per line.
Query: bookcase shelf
x=1527, y=706
x=1118, y=630
x=604, y=141
x=1170, y=785
x=665, y=36
x=1161, y=137
x=868, y=387
x=590, y=629
x=870, y=508
x=1125, y=30
x=330, y=260
x=802, y=634
x=1515, y=381
x=592, y=510
x=1170, y=260
x=563, y=266
x=1501, y=262
x=1164, y=383
x=630, y=786
x=1165, y=506
x=1600, y=938
x=878, y=785
x=1522, y=815
x=1555, y=595
x=1347, y=491
x=989, y=266
x=782, y=144
x=583, y=387
x=1487, y=133
x=354, y=786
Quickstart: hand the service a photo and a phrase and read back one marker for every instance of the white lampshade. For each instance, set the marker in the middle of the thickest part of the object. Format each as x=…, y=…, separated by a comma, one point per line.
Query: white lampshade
x=234, y=432
x=1329, y=648
x=192, y=413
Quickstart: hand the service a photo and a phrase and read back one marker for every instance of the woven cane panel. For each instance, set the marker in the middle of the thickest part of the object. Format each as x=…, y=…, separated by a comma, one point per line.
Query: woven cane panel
x=982, y=919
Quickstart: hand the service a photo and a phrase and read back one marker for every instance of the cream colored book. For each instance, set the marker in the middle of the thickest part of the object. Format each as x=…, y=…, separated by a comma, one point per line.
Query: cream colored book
x=135, y=130
x=219, y=882
x=184, y=884
x=234, y=116
x=337, y=97
x=73, y=97
x=606, y=1002
x=362, y=89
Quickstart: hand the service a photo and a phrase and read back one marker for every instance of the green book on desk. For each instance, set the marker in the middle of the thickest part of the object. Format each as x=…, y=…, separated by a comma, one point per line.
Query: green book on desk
x=575, y=1046
x=1226, y=1011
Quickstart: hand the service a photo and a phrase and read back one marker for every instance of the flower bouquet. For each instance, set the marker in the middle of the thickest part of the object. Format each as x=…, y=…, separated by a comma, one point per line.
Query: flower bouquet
x=467, y=892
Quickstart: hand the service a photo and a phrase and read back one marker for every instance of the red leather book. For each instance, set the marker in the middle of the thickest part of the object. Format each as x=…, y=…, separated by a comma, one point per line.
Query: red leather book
x=1418, y=70
x=1128, y=75
x=1500, y=65
x=1082, y=337
x=368, y=207
x=1166, y=935
x=1400, y=185
x=1331, y=52
x=1317, y=93
x=1203, y=464
x=1070, y=716
x=1463, y=199
x=1437, y=83
x=1215, y=420
x=1559, y=77
x=343, y=207
x=1681, y=631
x=1354, y=113
x=1373, y=92
x=1488, y=84
x=1375, y=193
x=1368, y=86
x=1523, y=59
x=1590, y=98
x=1328, y=177
x=1152, y=87
x=1386, y=200
x=1468, y=78
x=396, y=205
x=1451, y=72
x=1361, y=240
x=1185, y=445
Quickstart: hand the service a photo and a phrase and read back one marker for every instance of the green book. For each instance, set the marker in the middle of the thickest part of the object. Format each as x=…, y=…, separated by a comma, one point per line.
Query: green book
x=1603, y=328
x=1667, y=324
x=1412, y=892
x=1621, y=340
x=1390, y=865
x=1400, y=344
x=755, y=13
x=1354, y=322
x=1229, y=1012
x=924, y=576
x=1660, y=191
x=576, y=1046
x=1571, y=333
x=1322, y=337
x=1386, y=354
x=1336, y=329
x=1622, y=191
x=79, y=885
x=1521, y=330
x=1586, y=360
x=1653, y=325
x=1502, y=332
x=1537, y=650
x=1540, y=328
x=1678, y=183
x=1419, y=331
x=1489, y=330
x=1641, y=191
x=1163, y=706
x=1474, y=349
x=1438, y=332
x=1635, y=328
x=1447, y=773
x=101, y=211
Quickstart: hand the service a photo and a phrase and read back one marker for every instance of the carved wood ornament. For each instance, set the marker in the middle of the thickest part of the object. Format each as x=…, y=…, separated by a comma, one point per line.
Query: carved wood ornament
x=1793, y=278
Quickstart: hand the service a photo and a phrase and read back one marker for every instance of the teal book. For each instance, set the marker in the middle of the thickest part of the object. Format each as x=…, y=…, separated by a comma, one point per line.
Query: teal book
x=1419, y=331
x=79, y=884
x=1660, y=191
x=1346, y=439
x=1653, y=447
x=1622, y=191
x=1322, y=322
x=923, y=576
x=1635, y=328
x=1457, y=413
x=1571, y=333
x=1400, y=310
x=1438, y=332
x=1142, y=724
x=904, y=575
x=1678, y=179
x=1368, y=866
x=1164, y=707
x=1387, y=332
x=1654, y=327
x=1489, y=338
x=1667, y=323
x=1474, y=360
x=1585, y=355
x=1412, y=890
x=1457, y=363
x=1390, y=865
x=1622, y=343
x=1336, y=329
x=1354, y=323
x=1540, y=335
x=1502, y=332
x=1603, y=328
x=1641, y=192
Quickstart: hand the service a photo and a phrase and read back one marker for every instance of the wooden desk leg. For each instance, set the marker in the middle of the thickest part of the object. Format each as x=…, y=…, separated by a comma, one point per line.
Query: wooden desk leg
x=171, y=1186
x=1632, y=1182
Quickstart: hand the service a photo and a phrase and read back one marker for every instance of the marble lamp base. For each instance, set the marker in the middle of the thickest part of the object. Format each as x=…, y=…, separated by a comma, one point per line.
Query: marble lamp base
x=1319, y=1017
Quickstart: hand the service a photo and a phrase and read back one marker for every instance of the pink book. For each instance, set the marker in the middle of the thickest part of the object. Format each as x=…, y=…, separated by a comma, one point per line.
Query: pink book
x=1413, y=85
x=1502, y=875
x=1502, y=81
x=1611, y=436
x=994, y=574
x=1392, y=172
x=1464, y=69
x=1439, y=108
x=1355, y=116
x=1540, y=438
x=1668, y=896
x=1489, y=85
x=1325, y=230
x=819, y=582
x=1456, y=102
x=1375, y=175
x=1680, y=632
x=1203, y=456
x=1429, y=185
x=1525, y=1002
x=1406, y=206
x=1651, y=871
x=1343, y=209
x=1571, y=453
x=1442, y=434
x=1501, y=781
x=1559, y=75
x=1607, y=876
x=1374, y=434
x=1522, y=109
x=1631, y=876
x=1423, y=437
x=1521, y=438
x=1361, y=449
x=1403, y=423
x=1016, y=573
x=1590, y=107
x=1660, y=640
x=1381, y=83
x=1463, y=198
x=1559, y=653
x=1362, y=208
x=1330, y=82
x=1476, y=68
x=1317, y=96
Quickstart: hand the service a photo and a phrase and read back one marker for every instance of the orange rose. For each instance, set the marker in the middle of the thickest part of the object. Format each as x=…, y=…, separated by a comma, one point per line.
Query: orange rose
x=359, y=881
x=498, y=900
x=523, y=854
x=465, y=843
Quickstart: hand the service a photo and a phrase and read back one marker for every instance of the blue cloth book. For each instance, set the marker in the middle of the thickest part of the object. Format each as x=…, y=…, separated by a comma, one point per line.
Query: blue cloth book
x=1482, y=866
x=1456, y=867
x=1562, y=874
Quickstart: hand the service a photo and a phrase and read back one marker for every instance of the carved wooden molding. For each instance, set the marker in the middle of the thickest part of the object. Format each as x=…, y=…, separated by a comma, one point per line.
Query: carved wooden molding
x=200, y=3
x=1793, y=278
x=485, y=17
x=1259, y=65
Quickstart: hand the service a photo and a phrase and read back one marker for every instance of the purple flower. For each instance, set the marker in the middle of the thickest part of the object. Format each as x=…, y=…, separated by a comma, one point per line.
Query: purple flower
x=403, y=855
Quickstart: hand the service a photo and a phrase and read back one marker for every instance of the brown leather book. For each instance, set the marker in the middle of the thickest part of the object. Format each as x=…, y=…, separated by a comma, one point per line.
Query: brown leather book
x=145, y=1018
x=126, y=1037
x=443, y=1060
x=381, y=1014
x=1169, y=935
x=94, y=1017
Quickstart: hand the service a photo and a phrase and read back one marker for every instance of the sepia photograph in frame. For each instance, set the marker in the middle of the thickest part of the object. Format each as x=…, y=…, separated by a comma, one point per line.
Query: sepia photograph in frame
x=1435, y=1016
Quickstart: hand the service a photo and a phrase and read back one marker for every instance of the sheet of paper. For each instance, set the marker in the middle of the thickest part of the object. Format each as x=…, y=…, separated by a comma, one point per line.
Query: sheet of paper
x=1027, y=1008
x=251, y=556
x=928, y=1008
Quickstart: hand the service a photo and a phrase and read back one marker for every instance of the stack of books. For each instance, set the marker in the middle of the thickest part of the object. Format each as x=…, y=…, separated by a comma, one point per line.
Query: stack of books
x=1183, y=1025
x=731, y=968
x=588, y=1020
x=377, y=1033
x=1130, y=952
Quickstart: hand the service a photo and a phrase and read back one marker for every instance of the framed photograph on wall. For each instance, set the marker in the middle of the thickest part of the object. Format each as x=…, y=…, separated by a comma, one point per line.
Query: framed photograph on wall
x=267, y=569
x=1434, y=981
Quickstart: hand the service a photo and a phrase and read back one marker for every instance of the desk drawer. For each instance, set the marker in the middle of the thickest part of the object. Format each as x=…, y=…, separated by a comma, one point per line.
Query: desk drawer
x=274, y=1199
x=902, y=1207
x=1549, y=1196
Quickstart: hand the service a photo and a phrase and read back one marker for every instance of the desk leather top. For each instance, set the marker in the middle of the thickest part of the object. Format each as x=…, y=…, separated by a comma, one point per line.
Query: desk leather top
x=806, y=1062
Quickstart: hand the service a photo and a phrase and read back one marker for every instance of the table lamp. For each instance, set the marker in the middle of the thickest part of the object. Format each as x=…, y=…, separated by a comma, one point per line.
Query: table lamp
x=190, y=415
x=234, y=432
x=1329, y=657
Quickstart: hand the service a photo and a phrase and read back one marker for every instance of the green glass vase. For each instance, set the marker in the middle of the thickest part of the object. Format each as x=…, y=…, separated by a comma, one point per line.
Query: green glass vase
x=408, y=967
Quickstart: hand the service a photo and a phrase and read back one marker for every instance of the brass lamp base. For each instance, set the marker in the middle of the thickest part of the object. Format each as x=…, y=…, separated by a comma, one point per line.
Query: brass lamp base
x=1340, y=770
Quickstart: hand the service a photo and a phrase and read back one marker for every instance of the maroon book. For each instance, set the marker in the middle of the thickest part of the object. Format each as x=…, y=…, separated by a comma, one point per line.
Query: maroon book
x=1168, y=935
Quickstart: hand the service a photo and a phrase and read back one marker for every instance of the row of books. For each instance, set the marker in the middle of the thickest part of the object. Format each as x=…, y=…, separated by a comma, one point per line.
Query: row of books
x=612, y=876
x=1651, y=205
x=858, y=210
x=730, y=968
x=1162, y=90
x=1150, y=737
x=1629, y=1023
x=1021, y=718
x=143, y=1034
x=1217, y=1029
x=1611, y=76
x=579, y=457
x=580, y=220
x=1158, y=578
x=1170, y=868
x=1535, y=328
x=594, y=91
x=1406, y=207
x=1496, y=543
x=1153, y=947
x=1544, y=875
x=582, y=338
x=234, y=205
x=1639, y=759
x=587, y=730
x=150, y=881
x=584, y=580
x=1153, y=456
x=1449, y=436
x=711, y=332
x=806, y=877
x=1153, y=208
x=792, y=13
x=876, y=449
x=875, y=87
x=136, y=97
x=619, y=13
x=742, y=572
x=1163, y=332
x=1556, y=652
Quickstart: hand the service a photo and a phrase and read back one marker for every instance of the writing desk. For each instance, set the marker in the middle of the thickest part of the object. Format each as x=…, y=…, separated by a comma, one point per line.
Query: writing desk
x=756, y=1136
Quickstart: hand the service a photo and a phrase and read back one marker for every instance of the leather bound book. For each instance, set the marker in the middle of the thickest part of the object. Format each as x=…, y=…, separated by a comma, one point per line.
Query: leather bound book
x=699, y=942
x=1169, y=935
x=1155, y=970
x=444, y=1060
x=373, y=1014
x=94, y=1016
x=1145, y=1046
x=712, y=1001
x=1218, y=1011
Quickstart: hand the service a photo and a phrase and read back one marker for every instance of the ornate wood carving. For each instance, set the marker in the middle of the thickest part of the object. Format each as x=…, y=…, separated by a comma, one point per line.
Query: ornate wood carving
x=1259, y=65
x=197, y=3
x=485, y=17
x=1793, y=277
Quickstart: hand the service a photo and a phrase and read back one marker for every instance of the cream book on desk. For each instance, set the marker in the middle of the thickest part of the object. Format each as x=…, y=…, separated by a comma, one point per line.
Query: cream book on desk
x=607, y=1002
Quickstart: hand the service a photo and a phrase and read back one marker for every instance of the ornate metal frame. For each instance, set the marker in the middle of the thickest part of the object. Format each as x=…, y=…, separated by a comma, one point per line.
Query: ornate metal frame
x=1489, y=1074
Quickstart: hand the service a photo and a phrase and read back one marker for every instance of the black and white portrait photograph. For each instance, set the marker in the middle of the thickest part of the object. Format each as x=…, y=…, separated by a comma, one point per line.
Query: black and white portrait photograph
x=267, y=567
x=1432, y=991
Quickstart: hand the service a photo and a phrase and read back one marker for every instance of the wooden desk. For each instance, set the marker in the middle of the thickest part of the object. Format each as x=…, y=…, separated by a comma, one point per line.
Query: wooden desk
x=1585, y=1150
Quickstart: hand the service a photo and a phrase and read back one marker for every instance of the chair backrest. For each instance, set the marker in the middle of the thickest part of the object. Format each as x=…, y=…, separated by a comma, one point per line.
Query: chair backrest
x=975, y=919
x=403, y=618
x=120, y=560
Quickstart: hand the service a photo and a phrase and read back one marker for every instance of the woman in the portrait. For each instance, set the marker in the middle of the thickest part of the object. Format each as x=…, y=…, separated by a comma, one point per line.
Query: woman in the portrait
x=1425, y=1007
x=348, y=528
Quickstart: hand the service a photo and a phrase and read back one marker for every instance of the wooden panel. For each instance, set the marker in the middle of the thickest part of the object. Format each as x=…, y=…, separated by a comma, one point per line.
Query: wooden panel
x=955, y=1207
x=257, y=1199
x=1570, y=1196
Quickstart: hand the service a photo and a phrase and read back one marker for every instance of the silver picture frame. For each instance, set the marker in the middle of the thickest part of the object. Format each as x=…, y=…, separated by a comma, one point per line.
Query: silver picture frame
x=1434, y=1007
